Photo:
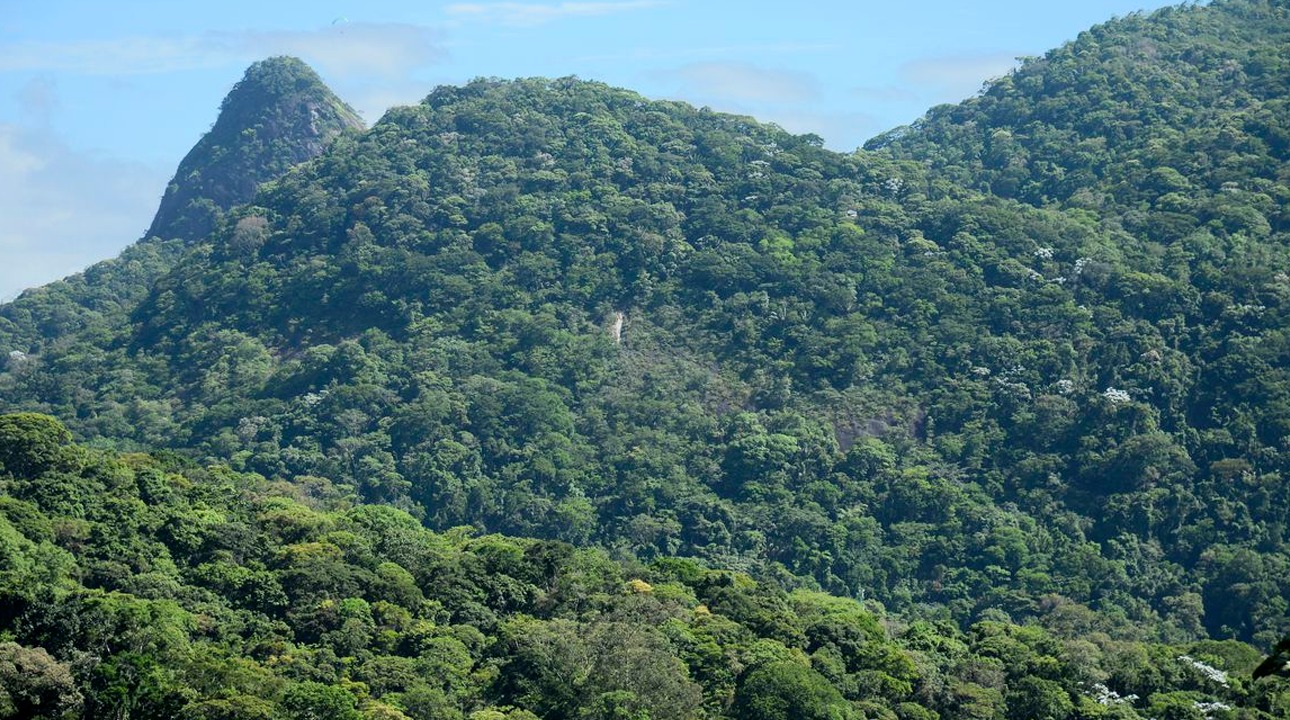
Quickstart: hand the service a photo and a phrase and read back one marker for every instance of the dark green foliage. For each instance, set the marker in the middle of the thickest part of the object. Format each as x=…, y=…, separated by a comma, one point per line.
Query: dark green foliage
x=788, y=690
x=32, y=445
x=180, y=591
x=315, y=701
x=1035, y=698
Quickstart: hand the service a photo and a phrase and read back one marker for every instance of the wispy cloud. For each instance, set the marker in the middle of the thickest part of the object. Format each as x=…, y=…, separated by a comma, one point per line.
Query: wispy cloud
x=65, y=209
x=347, y=49
x=357, y=49
x=953, y=77
x=370, y=64
x=740, y=82
x=759, y=49
x=38, y=99
x=885, y=94
x=522, y=14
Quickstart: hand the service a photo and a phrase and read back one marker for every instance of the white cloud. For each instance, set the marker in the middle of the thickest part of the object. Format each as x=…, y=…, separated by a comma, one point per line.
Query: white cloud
x=522, y=14
x=343, y=49
x=758, y=49
x=372, y=99
x=954, y=77
x=372, y=65
x=739, y=82
x=64, y=210
x=355, y=49
x=38, y=99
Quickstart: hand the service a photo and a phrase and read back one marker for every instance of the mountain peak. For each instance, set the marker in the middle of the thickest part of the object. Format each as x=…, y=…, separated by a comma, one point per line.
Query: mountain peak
x=279, y=115
x=273, y=80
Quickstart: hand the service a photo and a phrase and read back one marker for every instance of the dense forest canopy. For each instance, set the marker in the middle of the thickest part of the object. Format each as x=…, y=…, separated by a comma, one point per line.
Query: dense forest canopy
x=146, y=586
x=1013, y=380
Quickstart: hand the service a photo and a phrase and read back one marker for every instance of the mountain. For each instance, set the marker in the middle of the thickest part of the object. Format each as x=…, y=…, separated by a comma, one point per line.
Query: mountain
x=279, y=115
x=964, y=374
x=1165, y=114
x=1033, y=400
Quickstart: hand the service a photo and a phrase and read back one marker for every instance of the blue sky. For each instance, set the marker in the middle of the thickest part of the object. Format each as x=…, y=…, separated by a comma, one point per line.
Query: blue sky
x=100, y=100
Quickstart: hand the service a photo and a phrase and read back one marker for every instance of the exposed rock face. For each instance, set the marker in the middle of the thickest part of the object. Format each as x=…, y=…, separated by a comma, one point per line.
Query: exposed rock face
x=279, y=115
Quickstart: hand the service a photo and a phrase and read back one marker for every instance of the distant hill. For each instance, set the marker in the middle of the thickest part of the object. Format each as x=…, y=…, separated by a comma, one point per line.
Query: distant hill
x=953, y=375
x=1171, y=121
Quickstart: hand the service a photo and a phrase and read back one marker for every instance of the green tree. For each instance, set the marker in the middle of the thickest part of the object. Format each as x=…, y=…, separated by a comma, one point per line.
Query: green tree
x=788, y=690
x=35, y=685
x=32, y=445
x=316, y=701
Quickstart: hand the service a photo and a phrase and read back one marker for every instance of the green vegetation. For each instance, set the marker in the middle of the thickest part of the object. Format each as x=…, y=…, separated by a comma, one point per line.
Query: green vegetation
x=1015, y=378
x=280, y=115
x=146, y=586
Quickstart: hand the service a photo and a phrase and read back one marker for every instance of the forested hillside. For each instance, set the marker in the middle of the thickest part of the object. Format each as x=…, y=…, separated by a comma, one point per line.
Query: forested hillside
x=280, y=115
x=146, y=586
x=1017, y=371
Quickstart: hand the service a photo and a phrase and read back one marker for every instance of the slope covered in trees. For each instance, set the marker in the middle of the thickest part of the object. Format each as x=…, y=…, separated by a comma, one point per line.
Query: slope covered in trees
x=1177, y=119
x=146, y=586
x=424, y=316
x=904, y=375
